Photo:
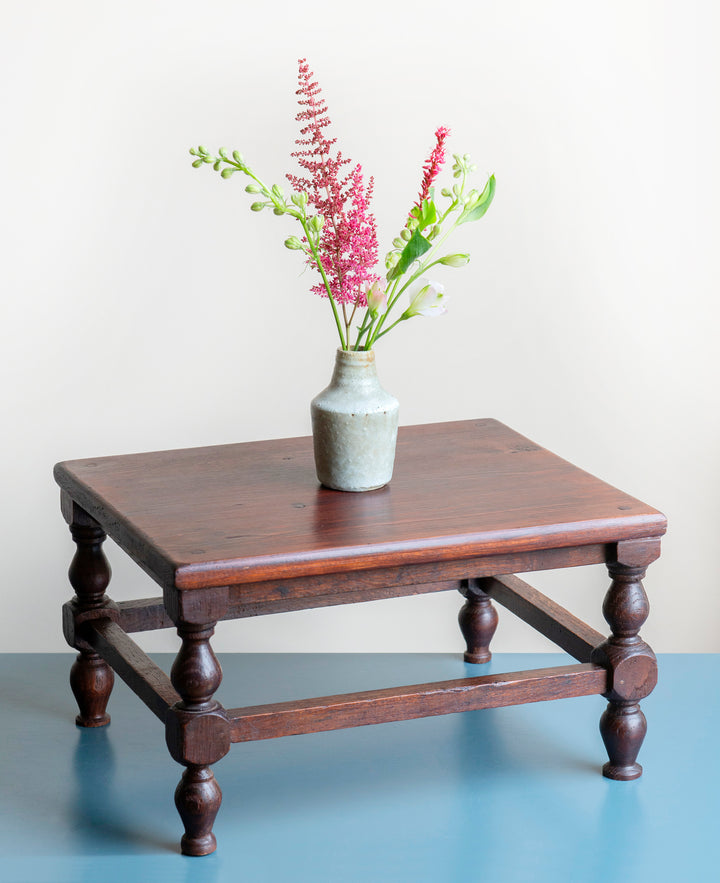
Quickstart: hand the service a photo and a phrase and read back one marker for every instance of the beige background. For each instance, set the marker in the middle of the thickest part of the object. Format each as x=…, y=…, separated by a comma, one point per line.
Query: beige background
x=145, y=306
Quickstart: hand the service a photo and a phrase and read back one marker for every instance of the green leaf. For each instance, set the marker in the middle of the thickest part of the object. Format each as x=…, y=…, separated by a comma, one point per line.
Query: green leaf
x=426, y=214
x=415, y=248
x=477, y=209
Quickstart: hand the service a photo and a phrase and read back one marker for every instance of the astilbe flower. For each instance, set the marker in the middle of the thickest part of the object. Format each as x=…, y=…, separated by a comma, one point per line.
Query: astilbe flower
x=433, y=164
x=348, y=248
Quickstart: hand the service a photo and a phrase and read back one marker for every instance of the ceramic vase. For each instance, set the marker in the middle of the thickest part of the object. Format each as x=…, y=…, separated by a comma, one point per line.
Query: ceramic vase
x=354, y=426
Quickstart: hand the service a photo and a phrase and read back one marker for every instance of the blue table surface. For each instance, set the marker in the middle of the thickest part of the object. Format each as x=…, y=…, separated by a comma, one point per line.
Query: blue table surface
x=501, y=795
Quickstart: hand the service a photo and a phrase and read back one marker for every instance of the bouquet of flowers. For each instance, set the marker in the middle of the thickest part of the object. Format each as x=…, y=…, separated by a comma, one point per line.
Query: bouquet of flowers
x=339, y=237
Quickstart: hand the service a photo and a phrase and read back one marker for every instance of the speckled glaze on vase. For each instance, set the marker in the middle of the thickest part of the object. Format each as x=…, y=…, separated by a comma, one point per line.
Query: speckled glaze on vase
x=354, y=426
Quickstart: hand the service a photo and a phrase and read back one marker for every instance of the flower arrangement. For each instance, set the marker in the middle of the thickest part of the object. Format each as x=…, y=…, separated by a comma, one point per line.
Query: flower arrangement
x=339, y=238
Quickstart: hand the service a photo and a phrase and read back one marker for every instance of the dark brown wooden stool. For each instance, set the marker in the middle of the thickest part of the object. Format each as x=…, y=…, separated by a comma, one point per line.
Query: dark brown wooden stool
x=241, y=530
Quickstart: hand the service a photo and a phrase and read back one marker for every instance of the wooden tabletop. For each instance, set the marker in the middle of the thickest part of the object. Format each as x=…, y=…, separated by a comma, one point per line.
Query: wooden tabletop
x=244, y=513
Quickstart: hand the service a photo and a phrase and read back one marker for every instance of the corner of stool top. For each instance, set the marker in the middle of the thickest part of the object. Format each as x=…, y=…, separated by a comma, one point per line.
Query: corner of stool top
x=636, y=553
x=73, y=513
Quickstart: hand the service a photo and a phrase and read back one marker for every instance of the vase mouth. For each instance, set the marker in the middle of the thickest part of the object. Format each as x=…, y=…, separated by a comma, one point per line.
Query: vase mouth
x=354, y=357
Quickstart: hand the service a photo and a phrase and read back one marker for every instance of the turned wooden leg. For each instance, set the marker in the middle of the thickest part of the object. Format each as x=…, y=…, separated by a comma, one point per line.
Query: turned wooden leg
x=91, y=678
x=198, y=734
x=623, y=727
x=633, y=671
x=478, y=620
x=198, y=798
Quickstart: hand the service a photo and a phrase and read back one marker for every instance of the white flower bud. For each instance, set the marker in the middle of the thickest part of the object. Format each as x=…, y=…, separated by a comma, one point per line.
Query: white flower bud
x=376, y=297
x=455, y=260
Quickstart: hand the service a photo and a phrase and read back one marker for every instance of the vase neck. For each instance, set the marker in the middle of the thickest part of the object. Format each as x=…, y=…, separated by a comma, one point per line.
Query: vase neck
x=354, y=357
x=354, y=364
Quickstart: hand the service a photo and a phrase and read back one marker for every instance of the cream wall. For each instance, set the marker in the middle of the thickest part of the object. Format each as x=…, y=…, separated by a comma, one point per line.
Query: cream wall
x=146, y=307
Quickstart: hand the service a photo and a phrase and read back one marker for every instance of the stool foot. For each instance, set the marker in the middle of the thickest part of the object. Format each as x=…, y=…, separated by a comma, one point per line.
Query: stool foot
x=198, y=798
x=623, y=728
x=478, y=620
x=91, y=680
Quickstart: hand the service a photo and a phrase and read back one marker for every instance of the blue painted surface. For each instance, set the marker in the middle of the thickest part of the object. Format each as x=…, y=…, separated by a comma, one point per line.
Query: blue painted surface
x=500, y=795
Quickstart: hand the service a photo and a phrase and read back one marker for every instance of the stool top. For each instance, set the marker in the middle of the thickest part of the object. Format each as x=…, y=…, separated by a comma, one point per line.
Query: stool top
x=244, y=513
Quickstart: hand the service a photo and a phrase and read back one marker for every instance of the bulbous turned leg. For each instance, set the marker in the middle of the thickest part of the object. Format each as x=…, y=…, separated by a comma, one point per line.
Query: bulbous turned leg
x=198, y=798
x=478, y=620
x=633, y=671
x=623, y=728
x=91, y=678
x=197, y=734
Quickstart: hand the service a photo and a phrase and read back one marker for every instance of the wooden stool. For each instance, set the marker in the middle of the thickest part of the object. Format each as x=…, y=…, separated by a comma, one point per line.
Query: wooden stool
x=241, y=530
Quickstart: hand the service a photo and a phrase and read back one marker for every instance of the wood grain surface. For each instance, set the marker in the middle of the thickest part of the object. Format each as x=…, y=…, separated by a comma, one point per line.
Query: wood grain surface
x=421, y=700
x=244, y=513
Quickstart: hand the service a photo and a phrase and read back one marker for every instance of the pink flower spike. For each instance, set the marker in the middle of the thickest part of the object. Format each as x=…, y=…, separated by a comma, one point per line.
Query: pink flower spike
x=433, y=164
x=348, y=248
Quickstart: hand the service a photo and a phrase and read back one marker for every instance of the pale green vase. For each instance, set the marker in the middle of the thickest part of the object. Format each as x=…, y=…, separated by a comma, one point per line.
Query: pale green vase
x=354, y=426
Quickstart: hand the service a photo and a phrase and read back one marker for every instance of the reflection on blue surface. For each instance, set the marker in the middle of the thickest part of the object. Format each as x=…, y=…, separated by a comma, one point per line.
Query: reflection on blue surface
x=501, y=795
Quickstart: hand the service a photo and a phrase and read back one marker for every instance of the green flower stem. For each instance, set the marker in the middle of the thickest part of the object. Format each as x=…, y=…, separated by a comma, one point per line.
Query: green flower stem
x=365, y=328
x=401, y=318
x=392, y=300
x=308, y=235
